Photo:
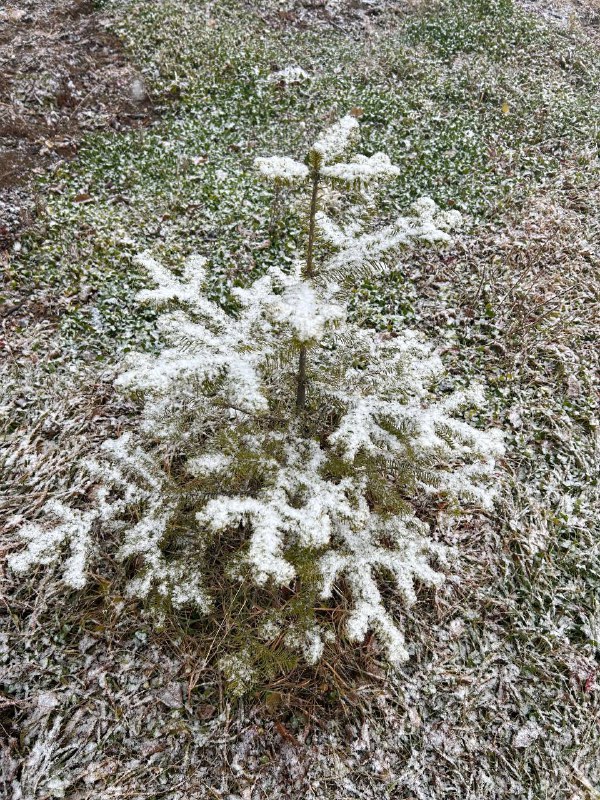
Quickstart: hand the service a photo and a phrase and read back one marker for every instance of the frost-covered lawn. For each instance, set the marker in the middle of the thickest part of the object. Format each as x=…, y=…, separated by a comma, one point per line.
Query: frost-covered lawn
x=488, y=111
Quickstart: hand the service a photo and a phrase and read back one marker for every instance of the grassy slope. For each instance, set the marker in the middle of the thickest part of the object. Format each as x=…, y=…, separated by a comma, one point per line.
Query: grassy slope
x=485, y=110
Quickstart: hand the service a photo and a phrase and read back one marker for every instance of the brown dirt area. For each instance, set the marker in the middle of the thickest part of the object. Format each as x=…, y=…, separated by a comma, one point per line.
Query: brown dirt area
x=62, y=75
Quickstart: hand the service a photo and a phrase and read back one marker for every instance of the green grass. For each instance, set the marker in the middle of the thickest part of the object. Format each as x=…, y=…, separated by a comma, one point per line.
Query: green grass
x=477, y=102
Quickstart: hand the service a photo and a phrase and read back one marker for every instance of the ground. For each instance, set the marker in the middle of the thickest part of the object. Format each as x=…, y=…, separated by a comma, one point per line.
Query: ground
x=63, y=75
x=140, y=121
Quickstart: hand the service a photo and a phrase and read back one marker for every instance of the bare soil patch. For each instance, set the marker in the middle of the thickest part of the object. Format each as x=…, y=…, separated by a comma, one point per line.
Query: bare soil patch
x=62, y=75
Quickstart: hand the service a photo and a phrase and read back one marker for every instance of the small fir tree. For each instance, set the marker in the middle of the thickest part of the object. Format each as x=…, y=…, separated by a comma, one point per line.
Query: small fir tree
x=285, y=446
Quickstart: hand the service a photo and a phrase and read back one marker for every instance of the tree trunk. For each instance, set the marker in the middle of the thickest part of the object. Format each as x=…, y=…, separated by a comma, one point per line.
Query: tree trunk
x=301, y=381
x=301, y=388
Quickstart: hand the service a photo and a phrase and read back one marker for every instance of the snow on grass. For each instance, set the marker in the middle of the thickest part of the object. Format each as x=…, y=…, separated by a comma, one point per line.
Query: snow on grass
x=473, y=103
x=463, y=122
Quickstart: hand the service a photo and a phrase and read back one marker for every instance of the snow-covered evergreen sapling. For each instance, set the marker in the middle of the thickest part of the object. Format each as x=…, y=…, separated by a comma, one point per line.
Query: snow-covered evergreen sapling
x=286, y=446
